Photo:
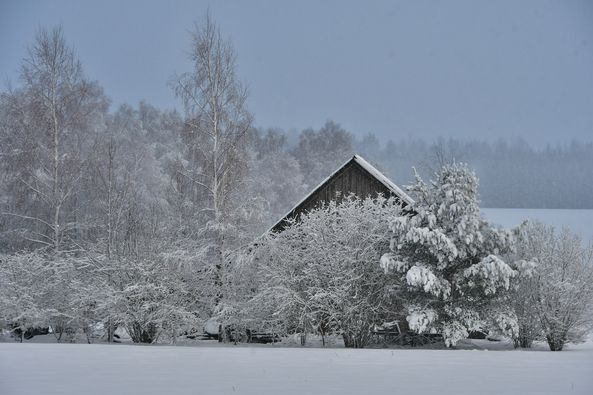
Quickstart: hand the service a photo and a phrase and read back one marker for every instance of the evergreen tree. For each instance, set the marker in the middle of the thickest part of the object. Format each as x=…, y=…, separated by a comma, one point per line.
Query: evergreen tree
x=448, y=257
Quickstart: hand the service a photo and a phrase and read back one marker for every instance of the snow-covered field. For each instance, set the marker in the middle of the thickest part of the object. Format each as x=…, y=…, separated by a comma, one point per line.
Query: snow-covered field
x=579, y=221
x=125, y=369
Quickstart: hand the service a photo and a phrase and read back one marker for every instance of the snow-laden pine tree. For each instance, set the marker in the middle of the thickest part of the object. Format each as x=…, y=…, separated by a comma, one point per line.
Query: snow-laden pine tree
x=448, y=257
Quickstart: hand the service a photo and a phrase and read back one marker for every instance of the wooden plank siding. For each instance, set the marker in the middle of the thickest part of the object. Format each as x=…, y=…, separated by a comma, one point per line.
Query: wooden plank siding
x=353, y=178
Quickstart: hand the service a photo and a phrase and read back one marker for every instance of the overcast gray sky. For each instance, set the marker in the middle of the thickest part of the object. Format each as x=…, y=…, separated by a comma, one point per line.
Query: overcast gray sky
x=483, y=69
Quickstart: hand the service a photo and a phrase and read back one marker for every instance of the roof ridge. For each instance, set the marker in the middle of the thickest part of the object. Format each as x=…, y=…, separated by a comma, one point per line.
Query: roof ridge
x=383, y=179
x=369, y=169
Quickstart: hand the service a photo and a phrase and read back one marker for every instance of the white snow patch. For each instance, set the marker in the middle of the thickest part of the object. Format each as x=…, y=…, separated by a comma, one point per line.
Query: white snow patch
x=119, y=369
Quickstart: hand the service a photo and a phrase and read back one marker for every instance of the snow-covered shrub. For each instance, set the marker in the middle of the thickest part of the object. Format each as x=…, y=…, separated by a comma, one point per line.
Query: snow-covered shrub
x=450, y=258
x=554, y=298
x=522, y=299
x=319, y=274
x=38, y=290
x=152, y=301
x=21, y=292
x=73, y=294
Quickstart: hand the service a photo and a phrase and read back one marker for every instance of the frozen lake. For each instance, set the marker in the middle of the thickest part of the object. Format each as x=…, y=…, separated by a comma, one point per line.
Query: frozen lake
x=579, y=221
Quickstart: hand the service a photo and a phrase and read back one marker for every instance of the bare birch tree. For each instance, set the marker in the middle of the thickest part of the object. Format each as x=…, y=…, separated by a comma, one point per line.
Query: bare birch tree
x=56, y=109
x=212, y=166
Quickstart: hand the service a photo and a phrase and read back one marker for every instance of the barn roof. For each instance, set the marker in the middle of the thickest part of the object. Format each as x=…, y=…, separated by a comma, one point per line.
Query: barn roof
x=383, y=179
x=365, y=166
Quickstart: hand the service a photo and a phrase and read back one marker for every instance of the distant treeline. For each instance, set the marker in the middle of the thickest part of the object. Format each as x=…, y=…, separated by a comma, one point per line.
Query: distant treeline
x=513, y=174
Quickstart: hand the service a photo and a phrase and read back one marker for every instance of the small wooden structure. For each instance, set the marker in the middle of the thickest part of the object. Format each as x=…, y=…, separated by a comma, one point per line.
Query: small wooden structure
x=356, y=176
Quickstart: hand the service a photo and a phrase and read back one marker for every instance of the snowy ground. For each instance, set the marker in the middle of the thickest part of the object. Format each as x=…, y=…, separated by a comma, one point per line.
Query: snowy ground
x=126, y=369
x=579, y=221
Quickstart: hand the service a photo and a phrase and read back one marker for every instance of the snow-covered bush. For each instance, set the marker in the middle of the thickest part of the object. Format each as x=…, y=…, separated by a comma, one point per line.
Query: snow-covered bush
x=21, y=292
x=38, y=290
x=76, y=294
x=521, y=298
x=319, y=274
x=449, y=258
x=554, y=299
x=153, y=301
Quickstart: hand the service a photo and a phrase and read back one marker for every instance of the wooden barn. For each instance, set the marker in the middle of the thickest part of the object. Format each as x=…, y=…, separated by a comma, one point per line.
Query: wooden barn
x=356, y=176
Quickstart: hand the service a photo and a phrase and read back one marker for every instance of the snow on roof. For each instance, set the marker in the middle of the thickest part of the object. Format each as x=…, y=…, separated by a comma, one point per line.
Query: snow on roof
x=370, y=169
x=383, y=179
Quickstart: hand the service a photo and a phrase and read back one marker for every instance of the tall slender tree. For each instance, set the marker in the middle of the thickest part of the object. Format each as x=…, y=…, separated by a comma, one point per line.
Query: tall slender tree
x=213, y=164
x=57, y=110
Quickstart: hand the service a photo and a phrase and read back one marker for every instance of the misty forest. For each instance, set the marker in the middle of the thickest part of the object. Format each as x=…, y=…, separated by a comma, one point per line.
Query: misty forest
x=155, y=223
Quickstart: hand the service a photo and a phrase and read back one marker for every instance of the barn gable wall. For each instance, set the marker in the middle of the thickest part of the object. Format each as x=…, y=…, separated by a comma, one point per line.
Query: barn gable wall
x=351, y=178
